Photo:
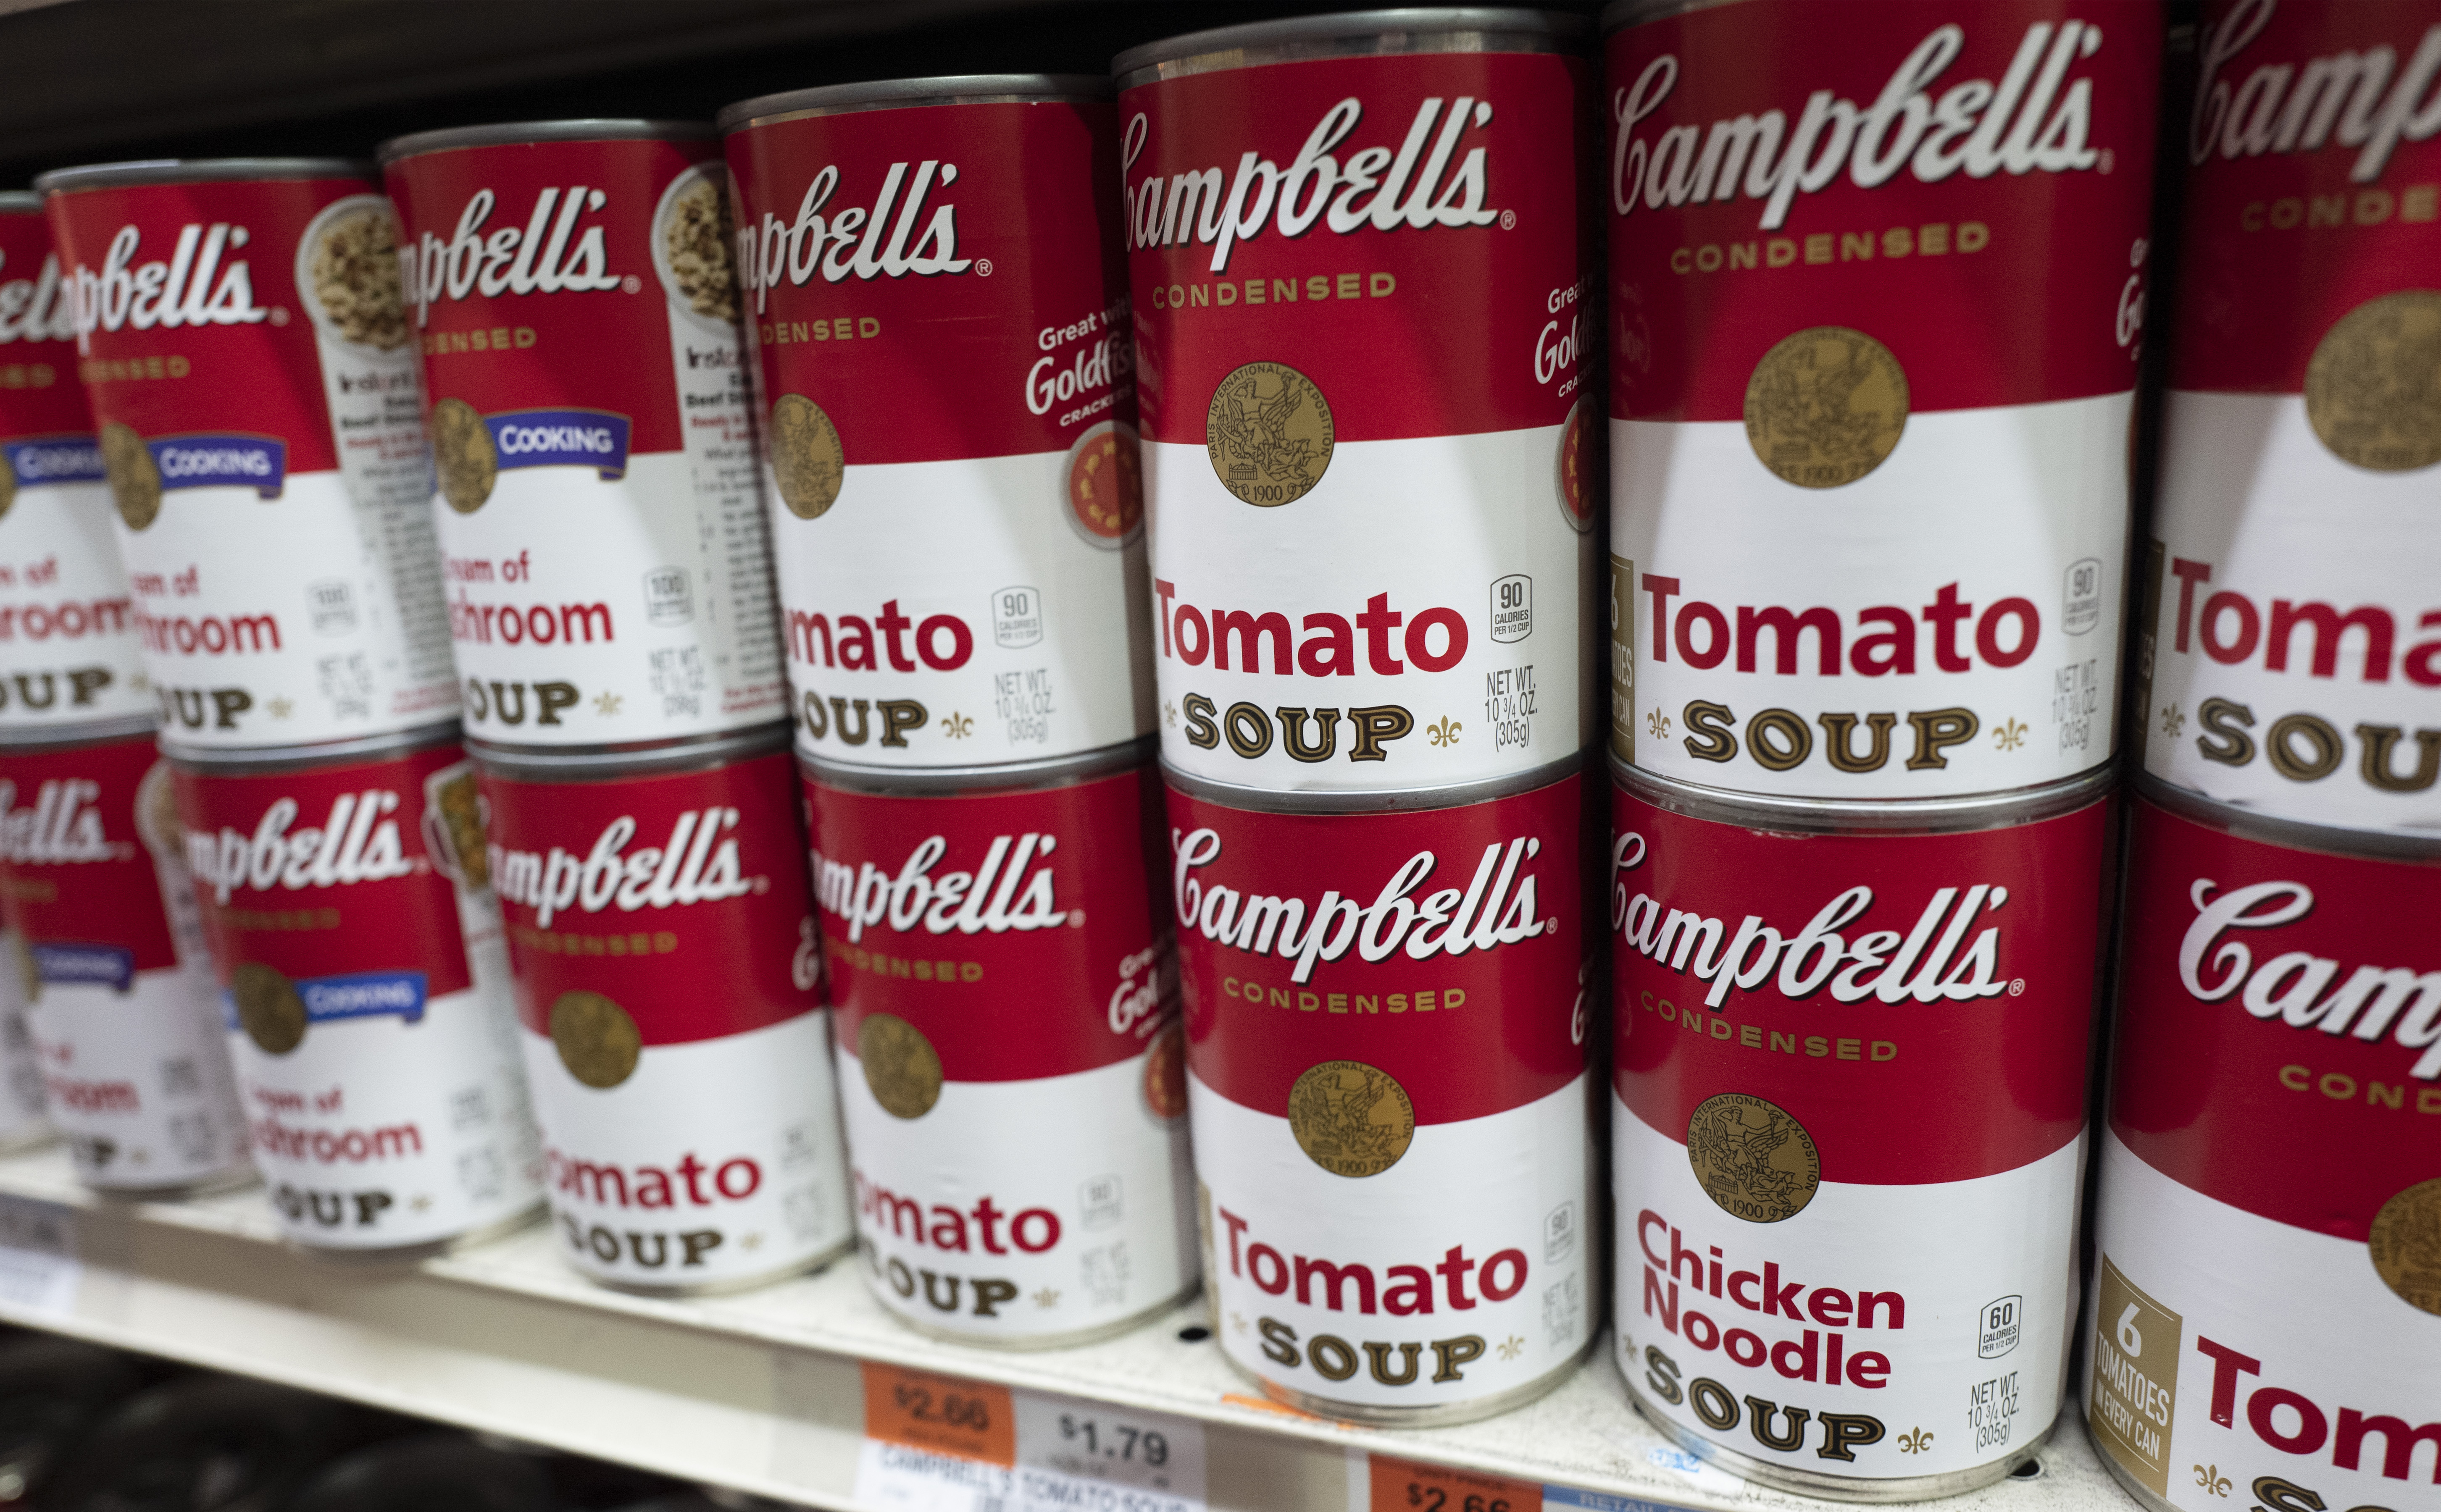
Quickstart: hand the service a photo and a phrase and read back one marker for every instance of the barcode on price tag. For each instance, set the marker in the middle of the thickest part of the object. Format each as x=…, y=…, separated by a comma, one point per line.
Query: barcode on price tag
x=1402, y=1486
x=38, y=1260
x=940, y=1443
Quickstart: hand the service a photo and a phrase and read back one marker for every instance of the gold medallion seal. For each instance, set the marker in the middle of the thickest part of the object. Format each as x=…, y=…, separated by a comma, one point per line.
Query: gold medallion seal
x=7, y=486
x=1753, y=1159
x=268, y=1008
x=463, y=454
x=2373, y=389
x=901, y=1064
x=1825, y=406
x=1351, y=1119
x=1269, y=433
x=806, y=457
x=1165, y=1077
x=459, y=802
x=134, y=482
x=28, y=975
x=596, y=1040
x=2406, y=1245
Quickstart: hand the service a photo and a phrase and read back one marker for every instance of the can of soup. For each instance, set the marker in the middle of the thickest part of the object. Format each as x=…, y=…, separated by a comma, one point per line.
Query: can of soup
x=1902, y=267
x=67, y=642
x=938, y=309
x=1361, y=254
x=999, y=970
x=667, y=978
x=2278, y=1045
x=1388, y=1017
x=241, y=339
x=601, y=524
x=121, y=1009
x=365, y=988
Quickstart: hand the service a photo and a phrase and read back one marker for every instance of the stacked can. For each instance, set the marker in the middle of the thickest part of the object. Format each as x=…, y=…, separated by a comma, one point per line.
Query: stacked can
x=1361, y=251
x=2279, y=1035
x=608, y=580
x=243, y=345
x=94, y=998
x=935, y=287
x=1876, y=309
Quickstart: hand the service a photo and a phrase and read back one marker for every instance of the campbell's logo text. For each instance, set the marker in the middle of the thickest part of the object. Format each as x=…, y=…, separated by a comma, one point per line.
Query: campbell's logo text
x=359, y=841
x=556, y=250
x=854, y=241
x=698, y=863
x=36, y=309
x=999, y=894
x=61, y=828
x=199, y=284
x=2359, y=98
x=2297, y=987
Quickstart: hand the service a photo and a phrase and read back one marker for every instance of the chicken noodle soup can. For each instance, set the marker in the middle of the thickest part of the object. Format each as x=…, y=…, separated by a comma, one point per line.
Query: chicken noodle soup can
x=1362, y=259
x=668, y=981
x=2267, y=1296
x=937, y=303
x=1387, y=1019
x=1878, y=305
x=365, y=989
x=67, y=635
x=241, y=339
x=121, y=1006
x=1763, y=1155
x=1010, y=1058
x=2292, y=627
x=601, y=536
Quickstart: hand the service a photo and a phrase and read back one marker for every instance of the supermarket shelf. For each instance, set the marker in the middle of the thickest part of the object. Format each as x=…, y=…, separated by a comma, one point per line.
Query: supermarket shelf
x=762, y=1391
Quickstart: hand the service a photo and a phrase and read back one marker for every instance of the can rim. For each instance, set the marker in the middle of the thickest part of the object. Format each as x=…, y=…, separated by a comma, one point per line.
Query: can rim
x=2289, y=833
x=952, y=782
x=1395, y=801
x=15, y=741
x=20, y=202
x=142, y=172
x=239, y=761
x=521, y=133
x=886, y=94
x=599, y=763
x=1621, y=14
x=1963, y=815
x=1346, y=33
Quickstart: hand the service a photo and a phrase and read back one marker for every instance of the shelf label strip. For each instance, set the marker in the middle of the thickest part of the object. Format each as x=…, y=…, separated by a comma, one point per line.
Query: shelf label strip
x=943, y=1444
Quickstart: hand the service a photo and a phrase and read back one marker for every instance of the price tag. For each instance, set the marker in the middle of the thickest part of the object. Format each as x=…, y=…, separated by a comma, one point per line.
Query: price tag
x=1065, y=1445
x=38, y=1260
x=1399, y=1485
x=940, y=1443
x=941, y=1413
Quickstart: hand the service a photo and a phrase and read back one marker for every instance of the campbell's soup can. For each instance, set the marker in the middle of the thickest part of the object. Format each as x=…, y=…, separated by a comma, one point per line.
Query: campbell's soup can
x=121, y=1006
x=937, y=304
x=1010, y=1058
x=1847, y=1244
x=2267, y=1297
x=365, y=990
x=602, y=536
x=21, y=1073
x=2291, y=633
x=1389, y=1022
x=1876, y=313
x=668, y=979
x=68, y=641
x=1361, y=254
x=245, y=349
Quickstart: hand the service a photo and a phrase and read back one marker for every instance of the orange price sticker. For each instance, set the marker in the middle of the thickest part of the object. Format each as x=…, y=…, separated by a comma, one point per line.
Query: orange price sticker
x=942, y=1413
x=1403, y=1485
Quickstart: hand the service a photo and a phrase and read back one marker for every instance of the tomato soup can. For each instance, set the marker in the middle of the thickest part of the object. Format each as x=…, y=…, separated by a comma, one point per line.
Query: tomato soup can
x=2290, y=631
x=1388, y=1018
x=1361, y=254
x=1005, y=989
x=601, y=524
x=1877, y=305
x=2266, y=1306
x=939, y=316
x=248, y=359
x=668, y=979
x=67, y=639
x=1848, y=1245
x=121, y=1008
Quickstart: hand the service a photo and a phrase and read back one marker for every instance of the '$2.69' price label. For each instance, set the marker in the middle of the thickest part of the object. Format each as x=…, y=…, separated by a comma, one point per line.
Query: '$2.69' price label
x=1402, y=1486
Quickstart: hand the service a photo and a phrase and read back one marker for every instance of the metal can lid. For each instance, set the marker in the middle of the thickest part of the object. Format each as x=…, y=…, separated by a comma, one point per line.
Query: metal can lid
x=951, y=781
x=248, y=761
x=1621, y=14
x=18, y=741
x=20, y=202
x=142, y=172
x=1962, y=815
x=605, y=763
x=524, y=132
x=1354, y=33
x=1391, y=801
x=2295, y=835
x=886, y=94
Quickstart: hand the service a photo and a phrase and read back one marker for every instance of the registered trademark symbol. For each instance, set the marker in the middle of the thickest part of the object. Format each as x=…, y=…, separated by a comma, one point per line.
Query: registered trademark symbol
x=1076, y=918
x=2108, y=158
x=2017, y=987
x=632, y=284
x=1550, y=926
x=762, y=884
x=279, y=314
x=1508, y=220
x=983, y=267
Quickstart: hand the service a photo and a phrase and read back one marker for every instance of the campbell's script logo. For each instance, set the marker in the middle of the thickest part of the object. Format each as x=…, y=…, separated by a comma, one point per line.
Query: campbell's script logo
x=2296, y=986
x=2035, y=119
x=199, y=285
x=2361, y=100
x=62, y=828
x=36, y=309
x=854, y=241
x=555, y=250
x=1427, y=180
x=997, y=896
x=698, y=863
x=357, y=842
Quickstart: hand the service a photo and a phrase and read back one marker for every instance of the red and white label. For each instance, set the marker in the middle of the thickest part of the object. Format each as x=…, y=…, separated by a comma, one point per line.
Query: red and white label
x=1904, y=261
x=602, y=533
x=2295, y=635
x=2279, y=1046
x=1011, y=938
x=1840, y=989
x=939, y=315
x=1420, y=975
x=67, y=635
x=250, y=374
x=123, y=1023
x=1361, y=321
x=713, y=1155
